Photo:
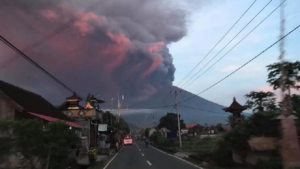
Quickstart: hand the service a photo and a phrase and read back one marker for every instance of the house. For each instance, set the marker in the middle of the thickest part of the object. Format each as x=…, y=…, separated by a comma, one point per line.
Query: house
x=151, y=131
x=195, y=130
x=189, y=126
x=164, y=131
x=17, y=103
x=89, y=116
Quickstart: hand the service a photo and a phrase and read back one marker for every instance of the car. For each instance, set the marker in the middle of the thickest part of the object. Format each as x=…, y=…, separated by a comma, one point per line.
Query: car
x=127, y=140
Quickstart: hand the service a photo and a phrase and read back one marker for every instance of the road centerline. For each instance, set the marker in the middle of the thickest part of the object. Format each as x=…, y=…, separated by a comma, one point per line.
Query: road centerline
x=148, y=162
x=143, y=154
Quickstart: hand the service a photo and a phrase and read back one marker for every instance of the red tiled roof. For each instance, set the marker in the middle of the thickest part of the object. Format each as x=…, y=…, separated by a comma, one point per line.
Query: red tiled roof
x=47, y=118
x=188, y=126
x=226, y=128
x=31, y=102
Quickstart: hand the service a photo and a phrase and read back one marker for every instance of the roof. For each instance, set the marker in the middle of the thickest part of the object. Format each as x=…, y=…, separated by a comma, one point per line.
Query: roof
x=47, y=118
x=164, y=129
x=197, y=128
x=30, y=101
x=74, y=96
x=188, y=126
x=226, y=128
x=235, y=106
x=97, y=100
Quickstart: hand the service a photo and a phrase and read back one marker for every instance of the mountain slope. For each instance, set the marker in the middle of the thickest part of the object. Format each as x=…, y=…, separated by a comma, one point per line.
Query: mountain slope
x=214, y=115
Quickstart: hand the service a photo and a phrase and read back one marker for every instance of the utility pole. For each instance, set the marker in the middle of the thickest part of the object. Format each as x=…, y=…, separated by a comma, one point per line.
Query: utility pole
x=153, y=121
x=289, y=145
x=112, y=107
x=178, y=120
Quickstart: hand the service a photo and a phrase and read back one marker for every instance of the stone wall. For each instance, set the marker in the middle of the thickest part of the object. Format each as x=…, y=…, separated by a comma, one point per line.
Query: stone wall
x=7, y=108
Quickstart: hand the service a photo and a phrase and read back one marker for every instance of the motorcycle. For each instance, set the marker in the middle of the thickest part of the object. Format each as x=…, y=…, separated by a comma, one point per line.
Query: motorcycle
x=146, y=144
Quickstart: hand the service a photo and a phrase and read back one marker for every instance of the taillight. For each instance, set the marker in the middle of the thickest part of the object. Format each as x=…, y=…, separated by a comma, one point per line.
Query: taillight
x=124, y=141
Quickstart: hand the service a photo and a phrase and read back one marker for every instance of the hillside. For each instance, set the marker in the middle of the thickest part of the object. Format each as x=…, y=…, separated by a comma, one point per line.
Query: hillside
x=137, y=112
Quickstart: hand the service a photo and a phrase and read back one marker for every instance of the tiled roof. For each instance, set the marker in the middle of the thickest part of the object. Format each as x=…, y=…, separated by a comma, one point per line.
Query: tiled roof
x=235, y=106
x=30, y=101
x=74, y=96
x=188, y=126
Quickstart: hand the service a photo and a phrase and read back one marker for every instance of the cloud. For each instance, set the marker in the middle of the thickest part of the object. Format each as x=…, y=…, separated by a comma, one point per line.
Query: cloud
x=49, y=14
x=115, y=46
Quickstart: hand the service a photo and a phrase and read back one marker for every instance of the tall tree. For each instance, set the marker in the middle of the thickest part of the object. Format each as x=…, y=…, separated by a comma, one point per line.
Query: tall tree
x=292, y=75
x=170, y=122
x=261, y=101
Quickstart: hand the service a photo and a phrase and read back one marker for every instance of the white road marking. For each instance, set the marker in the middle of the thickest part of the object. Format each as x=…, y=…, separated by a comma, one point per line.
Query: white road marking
x=142, y=154
x=149, y=162
x=177, y=158
x=139, y=149
x=111, y=160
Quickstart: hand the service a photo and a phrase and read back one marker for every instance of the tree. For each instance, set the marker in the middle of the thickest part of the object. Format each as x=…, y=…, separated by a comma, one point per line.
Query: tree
x=261, y=101
x=108, y=118
x=147, y=132
x=292, y=75
x=296, y=107
x=170, y=122
x=48, y=146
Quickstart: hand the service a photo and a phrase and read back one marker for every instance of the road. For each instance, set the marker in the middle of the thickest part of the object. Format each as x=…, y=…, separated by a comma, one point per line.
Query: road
x=138, y=156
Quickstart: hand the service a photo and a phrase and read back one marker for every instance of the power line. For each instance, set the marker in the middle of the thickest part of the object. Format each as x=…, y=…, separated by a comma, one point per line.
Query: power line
x=167, y=98
x=230, y=43
x=56, y=31
x=34, y=63
x=162, y=103
x=217, y=43
x=235, y=44
x=242, y=65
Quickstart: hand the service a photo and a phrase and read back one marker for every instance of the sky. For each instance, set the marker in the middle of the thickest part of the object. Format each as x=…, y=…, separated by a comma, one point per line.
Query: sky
x=136, y=47
x=207, y=24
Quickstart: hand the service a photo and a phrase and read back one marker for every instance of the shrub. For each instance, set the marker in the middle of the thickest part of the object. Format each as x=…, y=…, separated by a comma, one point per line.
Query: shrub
x=92, y=154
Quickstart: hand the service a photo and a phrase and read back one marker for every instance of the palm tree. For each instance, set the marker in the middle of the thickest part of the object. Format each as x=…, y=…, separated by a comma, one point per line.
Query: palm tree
x=261, y=101
x=290, y=78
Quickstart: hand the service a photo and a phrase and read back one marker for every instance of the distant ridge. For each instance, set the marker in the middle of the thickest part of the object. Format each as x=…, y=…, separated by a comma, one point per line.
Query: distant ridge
x=217, y=115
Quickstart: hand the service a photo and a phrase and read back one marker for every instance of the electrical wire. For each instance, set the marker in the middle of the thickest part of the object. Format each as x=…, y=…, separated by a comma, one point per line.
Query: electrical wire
x=55, y=32
x=167, y=98
x=34, y=63
x=242, y=65
x=236, y=44
x=217, y=43
x=231, y=41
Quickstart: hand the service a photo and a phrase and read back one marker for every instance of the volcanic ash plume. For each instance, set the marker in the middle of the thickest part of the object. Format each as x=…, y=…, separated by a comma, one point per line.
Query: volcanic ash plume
x=102, y=47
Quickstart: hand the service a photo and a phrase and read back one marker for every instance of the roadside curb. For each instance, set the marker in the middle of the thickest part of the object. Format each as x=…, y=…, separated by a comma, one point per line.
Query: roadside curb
x=177, y=157
x=109, y=160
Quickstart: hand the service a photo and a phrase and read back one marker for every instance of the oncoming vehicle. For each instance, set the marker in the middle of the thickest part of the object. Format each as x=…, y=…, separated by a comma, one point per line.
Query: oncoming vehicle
x=127, y=140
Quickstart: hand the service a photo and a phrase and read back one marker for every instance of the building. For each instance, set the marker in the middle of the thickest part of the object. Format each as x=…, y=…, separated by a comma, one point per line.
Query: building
x=236, y=109
x=195, y=130
x=151, y=131
x=89, y=116
x=189, y=126
x=164, y=131
x=16, y=103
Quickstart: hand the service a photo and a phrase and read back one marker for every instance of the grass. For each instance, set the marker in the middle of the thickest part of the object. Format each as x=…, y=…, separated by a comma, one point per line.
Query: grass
x=194, y=145
x=97, y=165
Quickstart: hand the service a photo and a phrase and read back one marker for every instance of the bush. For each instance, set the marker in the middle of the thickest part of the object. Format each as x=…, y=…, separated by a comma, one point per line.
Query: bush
x=92, y=154
x=221, y=152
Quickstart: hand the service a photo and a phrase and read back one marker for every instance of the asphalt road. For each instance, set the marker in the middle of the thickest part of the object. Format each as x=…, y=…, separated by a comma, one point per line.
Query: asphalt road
x=138, y=156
